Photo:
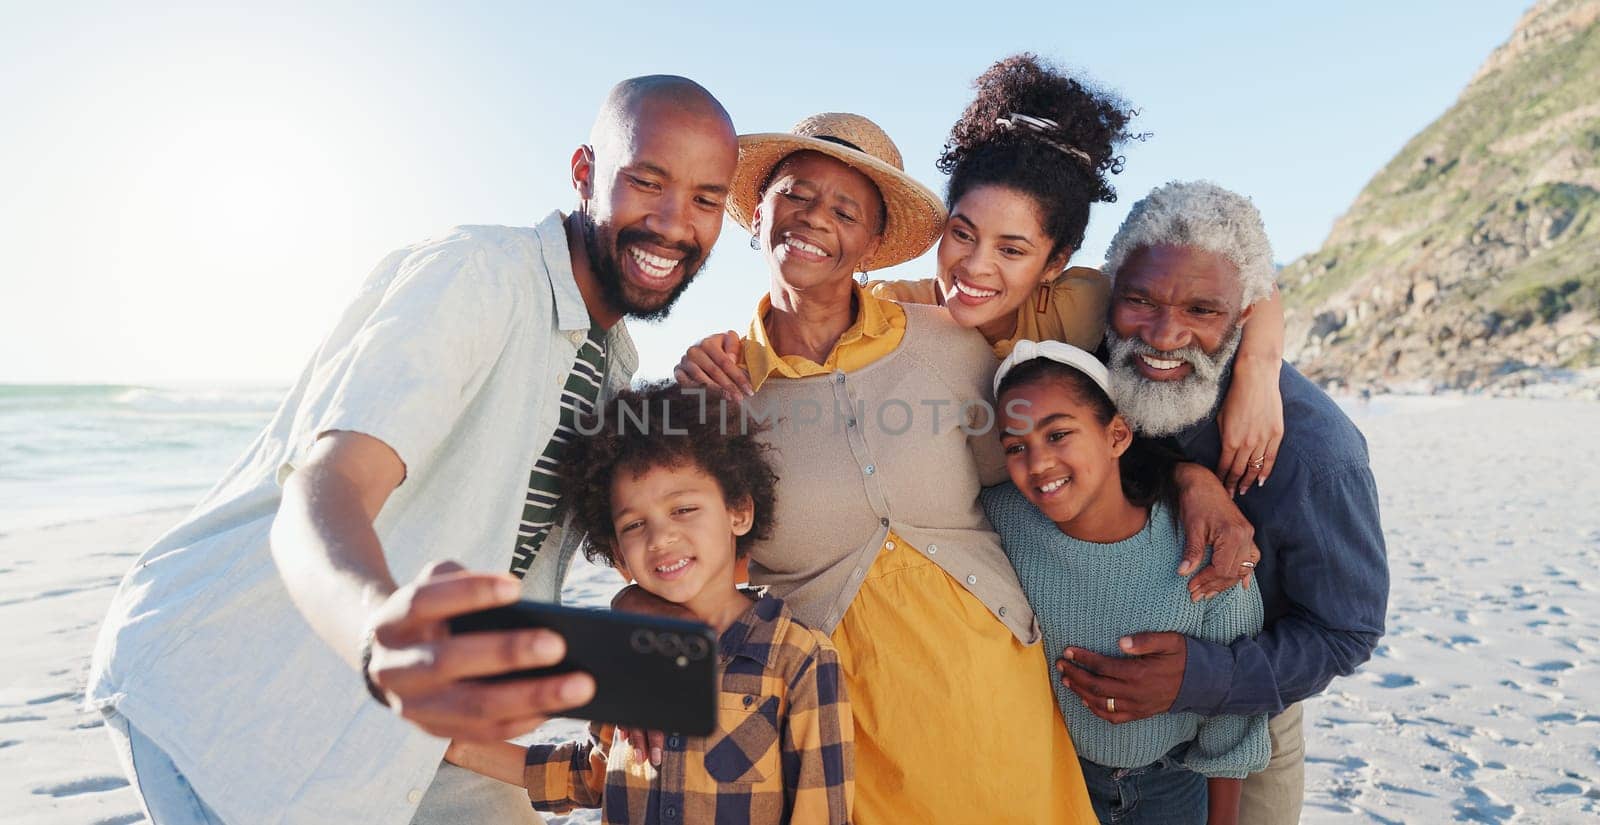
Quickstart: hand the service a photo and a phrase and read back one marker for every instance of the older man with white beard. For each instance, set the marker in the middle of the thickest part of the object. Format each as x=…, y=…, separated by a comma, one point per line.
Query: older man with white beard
x=1186, y=268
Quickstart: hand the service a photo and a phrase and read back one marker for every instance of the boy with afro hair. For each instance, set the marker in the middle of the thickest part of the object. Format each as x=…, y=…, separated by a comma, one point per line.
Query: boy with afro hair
x=672, y=487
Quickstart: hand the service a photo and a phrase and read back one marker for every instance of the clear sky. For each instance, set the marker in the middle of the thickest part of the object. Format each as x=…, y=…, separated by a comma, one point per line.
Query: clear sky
x=191, y=195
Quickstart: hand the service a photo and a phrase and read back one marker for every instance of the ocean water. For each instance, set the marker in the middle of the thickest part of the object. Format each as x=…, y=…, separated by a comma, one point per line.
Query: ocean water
x=76, y=452
x=73, y=453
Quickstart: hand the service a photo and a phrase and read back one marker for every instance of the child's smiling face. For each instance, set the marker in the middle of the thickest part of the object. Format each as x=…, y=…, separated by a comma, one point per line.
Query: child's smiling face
x=676, y=534
x=1058, y=453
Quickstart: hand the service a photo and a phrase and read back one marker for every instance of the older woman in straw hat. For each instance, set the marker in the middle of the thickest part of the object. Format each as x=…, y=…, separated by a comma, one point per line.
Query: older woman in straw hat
x=885, y=435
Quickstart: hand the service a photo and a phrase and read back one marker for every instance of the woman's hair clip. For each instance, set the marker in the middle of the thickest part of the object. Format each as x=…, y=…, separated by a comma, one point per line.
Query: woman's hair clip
x=1041, y=129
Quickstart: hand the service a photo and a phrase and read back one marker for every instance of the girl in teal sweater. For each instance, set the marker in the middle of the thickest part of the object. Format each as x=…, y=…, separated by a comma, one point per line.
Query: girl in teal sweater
x=1090, y=530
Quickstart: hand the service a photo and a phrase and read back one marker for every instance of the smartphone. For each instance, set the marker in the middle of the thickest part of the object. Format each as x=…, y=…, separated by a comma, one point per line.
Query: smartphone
x=649, y=672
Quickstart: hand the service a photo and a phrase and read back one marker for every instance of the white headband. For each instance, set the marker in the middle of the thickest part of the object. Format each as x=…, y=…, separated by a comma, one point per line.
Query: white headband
x=1059, y=352
x=1041, y=127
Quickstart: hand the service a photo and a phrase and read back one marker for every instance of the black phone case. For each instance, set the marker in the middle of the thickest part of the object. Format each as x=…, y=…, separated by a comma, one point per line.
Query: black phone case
x=649, y=672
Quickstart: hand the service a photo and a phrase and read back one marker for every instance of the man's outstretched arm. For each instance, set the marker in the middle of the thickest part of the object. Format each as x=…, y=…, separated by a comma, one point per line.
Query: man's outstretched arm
x=335, y=571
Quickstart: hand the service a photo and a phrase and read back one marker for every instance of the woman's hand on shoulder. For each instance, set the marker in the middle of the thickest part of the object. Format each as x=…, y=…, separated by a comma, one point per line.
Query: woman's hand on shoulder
x=714, y=362
x=1251, y=420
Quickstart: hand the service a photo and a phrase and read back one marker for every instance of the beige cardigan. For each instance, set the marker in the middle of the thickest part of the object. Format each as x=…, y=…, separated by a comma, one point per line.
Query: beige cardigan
x=901, y=444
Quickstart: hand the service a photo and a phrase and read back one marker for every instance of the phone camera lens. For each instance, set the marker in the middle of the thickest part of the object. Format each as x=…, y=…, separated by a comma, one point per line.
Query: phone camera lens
x=643, y=641
x=696, y=648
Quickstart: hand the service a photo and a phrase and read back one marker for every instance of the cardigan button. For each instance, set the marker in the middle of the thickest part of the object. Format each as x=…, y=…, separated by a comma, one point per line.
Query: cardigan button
x=871, y=468
x=884, y=522
x=1002, y=612
x=838, y=377
x=972, y=580
x=932, y=549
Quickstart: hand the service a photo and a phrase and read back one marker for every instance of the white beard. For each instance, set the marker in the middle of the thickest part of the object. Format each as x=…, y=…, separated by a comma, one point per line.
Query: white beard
x=1162, y=408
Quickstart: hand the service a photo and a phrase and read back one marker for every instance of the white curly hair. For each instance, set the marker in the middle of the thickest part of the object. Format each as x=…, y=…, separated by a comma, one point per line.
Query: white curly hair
x=1205, y=215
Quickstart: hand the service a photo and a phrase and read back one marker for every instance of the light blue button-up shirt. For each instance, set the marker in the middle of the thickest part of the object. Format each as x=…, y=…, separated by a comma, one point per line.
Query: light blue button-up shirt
x=452, y=353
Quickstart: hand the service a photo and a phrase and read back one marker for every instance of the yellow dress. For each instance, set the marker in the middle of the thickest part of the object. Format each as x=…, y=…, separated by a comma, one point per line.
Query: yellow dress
x=956, y=720
x=1072, y=309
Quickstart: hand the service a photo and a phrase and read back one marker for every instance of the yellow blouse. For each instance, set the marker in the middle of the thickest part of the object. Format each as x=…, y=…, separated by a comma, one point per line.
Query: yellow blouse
x=878, y=329
x=1073, y=309
x=956, y=720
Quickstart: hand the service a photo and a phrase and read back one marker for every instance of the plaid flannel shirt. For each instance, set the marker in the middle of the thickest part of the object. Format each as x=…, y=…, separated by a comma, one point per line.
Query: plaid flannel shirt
x=782, y=751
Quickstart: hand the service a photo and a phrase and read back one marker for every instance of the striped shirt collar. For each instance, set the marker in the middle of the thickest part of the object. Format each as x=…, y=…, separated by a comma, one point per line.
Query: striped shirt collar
x=572, y=315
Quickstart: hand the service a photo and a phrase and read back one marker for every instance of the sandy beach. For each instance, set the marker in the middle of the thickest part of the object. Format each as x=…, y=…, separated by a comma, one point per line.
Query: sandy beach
x=1480, y=706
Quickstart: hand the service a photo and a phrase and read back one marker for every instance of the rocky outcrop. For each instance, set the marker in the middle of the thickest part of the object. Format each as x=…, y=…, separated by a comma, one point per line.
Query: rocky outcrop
x=1472, y=260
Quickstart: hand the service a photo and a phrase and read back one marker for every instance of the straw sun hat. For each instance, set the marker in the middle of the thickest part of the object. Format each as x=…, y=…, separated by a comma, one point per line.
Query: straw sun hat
x=916, y=216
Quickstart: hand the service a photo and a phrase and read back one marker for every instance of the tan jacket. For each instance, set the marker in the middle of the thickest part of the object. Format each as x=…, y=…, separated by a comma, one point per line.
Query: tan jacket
x=902, y=444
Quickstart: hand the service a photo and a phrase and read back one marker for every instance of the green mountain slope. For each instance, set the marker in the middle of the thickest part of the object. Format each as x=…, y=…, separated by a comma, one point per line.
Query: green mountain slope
x=1472, y=260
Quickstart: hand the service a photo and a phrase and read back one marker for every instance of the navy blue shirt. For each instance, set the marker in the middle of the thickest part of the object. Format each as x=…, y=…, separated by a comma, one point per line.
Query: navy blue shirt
x=1323, y=574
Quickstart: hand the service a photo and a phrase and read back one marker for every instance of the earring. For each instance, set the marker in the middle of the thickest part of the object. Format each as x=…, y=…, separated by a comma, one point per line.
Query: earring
x=1041, y=302
x=755, y=243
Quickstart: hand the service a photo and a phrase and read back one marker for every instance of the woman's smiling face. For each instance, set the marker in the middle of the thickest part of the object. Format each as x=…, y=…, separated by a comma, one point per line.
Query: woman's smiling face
x=994, y=253
x=818, y=220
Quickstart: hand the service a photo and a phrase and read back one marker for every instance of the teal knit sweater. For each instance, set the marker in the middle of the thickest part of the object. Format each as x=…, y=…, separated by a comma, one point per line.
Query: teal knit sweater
x=1090, y=595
